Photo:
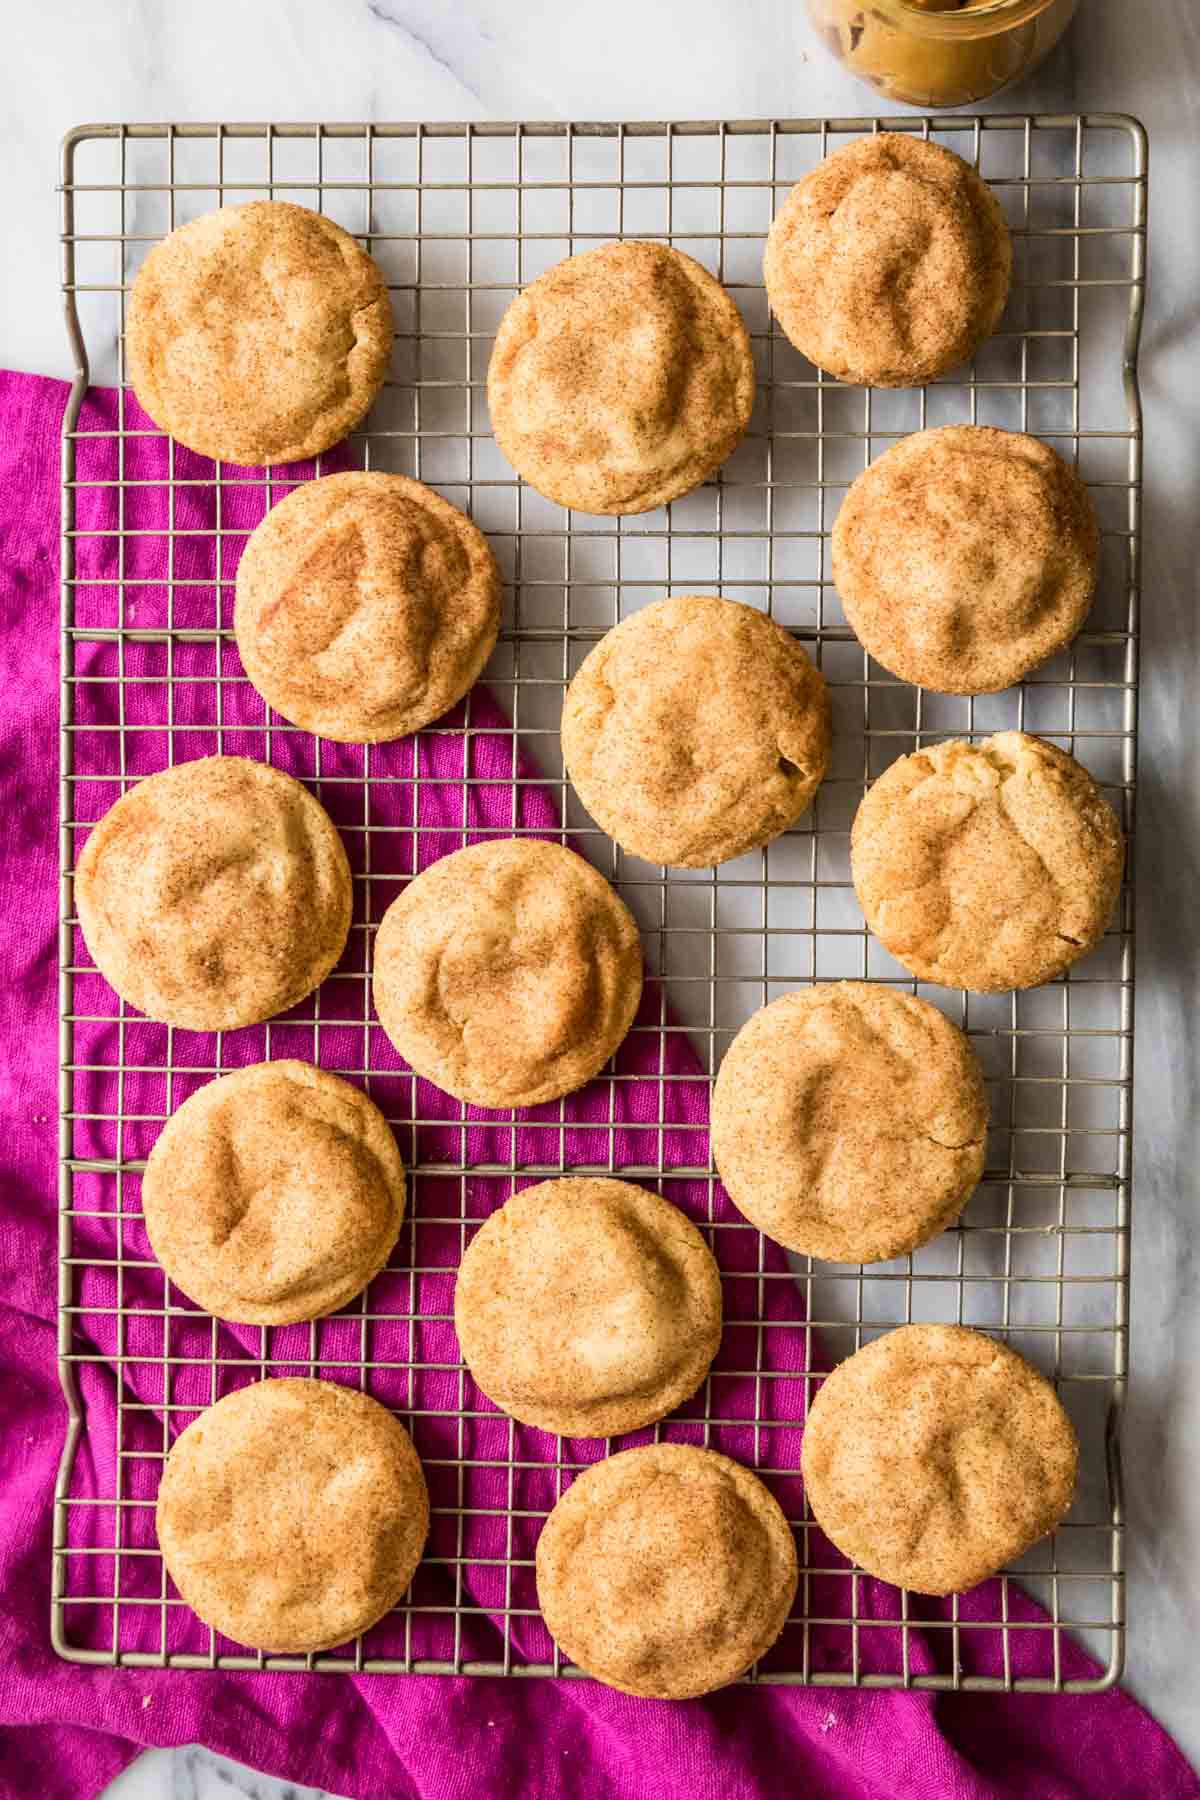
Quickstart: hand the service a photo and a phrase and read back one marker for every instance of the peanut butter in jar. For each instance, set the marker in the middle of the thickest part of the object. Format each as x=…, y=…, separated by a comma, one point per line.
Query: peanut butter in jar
x=940, y=52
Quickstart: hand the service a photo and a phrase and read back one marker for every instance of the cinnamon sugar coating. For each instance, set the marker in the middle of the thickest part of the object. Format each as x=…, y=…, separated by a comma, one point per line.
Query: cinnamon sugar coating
x=849, y=1121
x=666, y=1571
x=274, y=1194
x=621, y=379
x=258, y=333
x=695, y=730
x=214, y=894
x=987, y=866
x=965, y=556
x=292, y=1514
x=588, y=1306
x=508, y=972
x=366, y=606
x=934, y=1455
x=889, y=263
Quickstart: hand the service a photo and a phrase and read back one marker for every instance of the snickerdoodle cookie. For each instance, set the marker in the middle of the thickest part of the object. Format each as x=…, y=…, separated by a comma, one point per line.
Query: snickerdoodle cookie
x=274, y=1194
x=695, y=730
x=849, y=1121
x=935, y=1455
x=292, y=1514
x=588, y=1306
x=620, y=379
x=889, y=263
x=259, y=333
x=508, y=972
x=965, y=556
x=214, y=894
x=987, y=866
x=366, y=606
x=666, y=1571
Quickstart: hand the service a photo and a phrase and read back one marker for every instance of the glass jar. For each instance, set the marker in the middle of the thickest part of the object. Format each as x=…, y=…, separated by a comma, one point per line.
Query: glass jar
x=937, y=53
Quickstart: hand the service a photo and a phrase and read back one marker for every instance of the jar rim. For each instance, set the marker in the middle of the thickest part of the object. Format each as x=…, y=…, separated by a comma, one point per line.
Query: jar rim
x=978, y=21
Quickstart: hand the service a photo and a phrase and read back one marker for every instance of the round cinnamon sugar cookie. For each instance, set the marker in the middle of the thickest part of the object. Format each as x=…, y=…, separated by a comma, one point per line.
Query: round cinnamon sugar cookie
x=366, y=606
x=621, y=379
x=666, y=1571
x=934, y=1455
x=292, y=1514
x=588, y=1307
x=214, y=894
x=889, y=263
x=508, y=972
x=274, y=1194
x=695, y=730
x=258, y=333
x=987, y=866
x=849, y=1121
x=965, y=556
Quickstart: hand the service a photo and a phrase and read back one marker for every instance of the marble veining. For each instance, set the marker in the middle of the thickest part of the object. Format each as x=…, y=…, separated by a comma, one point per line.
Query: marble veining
x=196, y=1774
x=437, y=59
x=192, y=1773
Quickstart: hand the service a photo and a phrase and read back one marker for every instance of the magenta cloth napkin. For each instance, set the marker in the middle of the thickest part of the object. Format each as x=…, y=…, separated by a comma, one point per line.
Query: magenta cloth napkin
x=65, y=1729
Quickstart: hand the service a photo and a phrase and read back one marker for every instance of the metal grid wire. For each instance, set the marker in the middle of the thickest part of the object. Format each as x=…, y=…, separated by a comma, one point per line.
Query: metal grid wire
x=459, y=216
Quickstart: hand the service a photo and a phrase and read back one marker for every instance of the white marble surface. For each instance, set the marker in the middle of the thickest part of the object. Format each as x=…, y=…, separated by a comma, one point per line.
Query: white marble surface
x=72, y=60
x=192, y=1773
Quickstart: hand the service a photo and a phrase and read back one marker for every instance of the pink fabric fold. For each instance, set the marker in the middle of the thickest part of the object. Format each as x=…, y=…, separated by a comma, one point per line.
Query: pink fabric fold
x=65, y=1729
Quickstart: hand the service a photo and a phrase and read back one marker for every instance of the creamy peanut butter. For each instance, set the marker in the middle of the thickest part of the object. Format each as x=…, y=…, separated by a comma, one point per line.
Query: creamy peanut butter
x=940, y=52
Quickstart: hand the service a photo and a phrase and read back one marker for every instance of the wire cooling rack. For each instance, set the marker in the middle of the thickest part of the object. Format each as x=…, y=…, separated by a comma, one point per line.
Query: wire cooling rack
x=459, y=216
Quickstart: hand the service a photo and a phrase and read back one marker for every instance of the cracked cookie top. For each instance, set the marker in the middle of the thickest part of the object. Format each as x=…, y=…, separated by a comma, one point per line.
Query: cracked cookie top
x=508, y=972
x=965, y=556
x=214, y=894
x=621, y=379
x=258, y=333
x=935, y=1455
x=274, y=1194
x=292, y=1514
x=696, y=729
x=987, y=866
x=849, y=1121
x=889, y=263
x=588, y=1307
x=366, y=606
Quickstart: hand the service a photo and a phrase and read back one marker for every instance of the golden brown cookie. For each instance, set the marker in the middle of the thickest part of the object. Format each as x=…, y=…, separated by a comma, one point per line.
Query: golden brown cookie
x=849, y=1121
x=621, y=379
x=292, y=1514
x=965, y=556
x=588, y=1307
x=366, y=606
x=987, y=866
x=889, y=263
x=274, y=1194
x=695, y=730
x=258, y=333
x=214, y=894
x=934, y=1455
x=508, y=972
x=666, y=1571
